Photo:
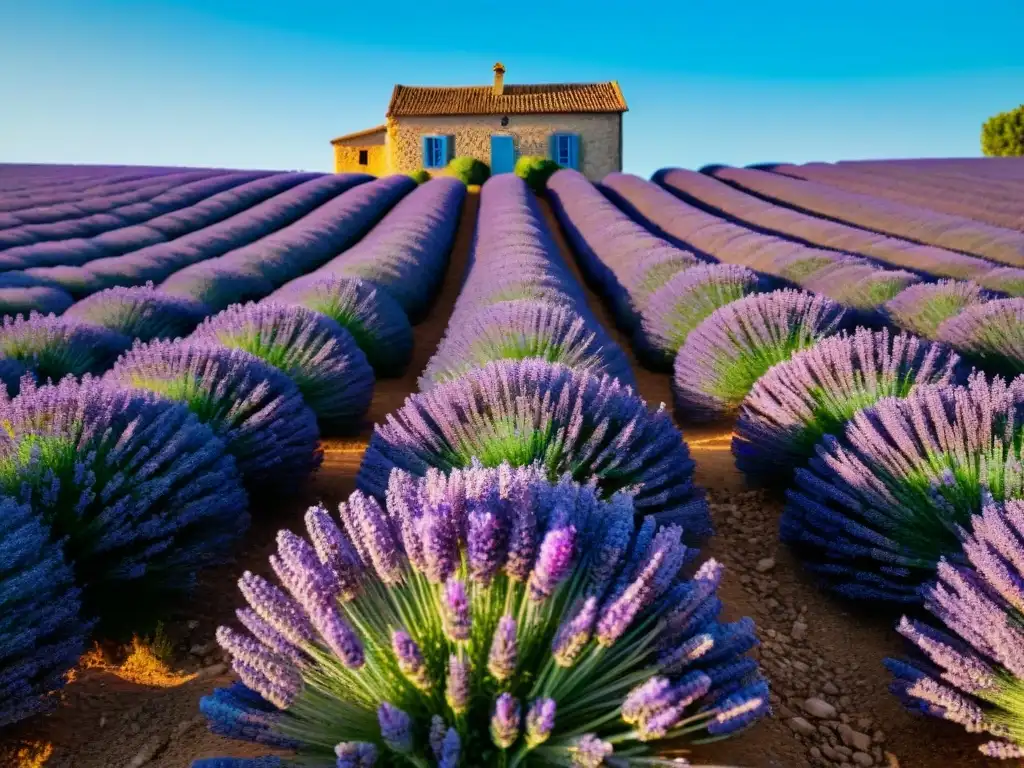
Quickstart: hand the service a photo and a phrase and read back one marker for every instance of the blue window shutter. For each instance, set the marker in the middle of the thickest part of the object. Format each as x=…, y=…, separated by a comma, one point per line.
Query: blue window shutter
x=442, y=147
x=449, y=155
x=574, y=151
x=553, y=147
x=427, y=159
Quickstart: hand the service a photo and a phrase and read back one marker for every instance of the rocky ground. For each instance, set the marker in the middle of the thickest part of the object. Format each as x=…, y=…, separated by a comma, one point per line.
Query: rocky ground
x=823, y=657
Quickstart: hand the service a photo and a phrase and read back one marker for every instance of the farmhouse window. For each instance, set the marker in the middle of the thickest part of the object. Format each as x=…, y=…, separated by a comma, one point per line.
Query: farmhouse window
x=565, y=150
x=436, y=151
x=364, y=157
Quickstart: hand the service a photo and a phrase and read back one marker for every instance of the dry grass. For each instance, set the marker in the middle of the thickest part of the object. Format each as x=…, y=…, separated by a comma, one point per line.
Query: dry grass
x=33, y=755
x=146, y=662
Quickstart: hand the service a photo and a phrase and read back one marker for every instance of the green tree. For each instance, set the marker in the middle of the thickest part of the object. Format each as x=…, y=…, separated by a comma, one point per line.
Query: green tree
x=535, y=171
x=469, y=170
x=1002, y=135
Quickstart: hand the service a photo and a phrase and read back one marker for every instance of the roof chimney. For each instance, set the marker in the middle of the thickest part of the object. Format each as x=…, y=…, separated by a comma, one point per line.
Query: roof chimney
x=499, y=79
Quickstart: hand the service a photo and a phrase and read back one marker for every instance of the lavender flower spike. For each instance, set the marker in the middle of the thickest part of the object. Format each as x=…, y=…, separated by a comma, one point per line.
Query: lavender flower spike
x=395, y=728
x=540, y=721
x=356, y=754
x=410, y=660
x=590, y=752
x=501, y=662
x=457, y=685
x=505, y=721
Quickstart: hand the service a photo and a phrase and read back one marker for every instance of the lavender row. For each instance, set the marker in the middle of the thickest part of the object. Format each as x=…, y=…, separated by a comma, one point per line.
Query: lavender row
x=170, y=214
x=913, y=223
x=518, y=299
x=854, y=282
x=257, y=269
x=989, y=201
x=60, y=194
x=748, y=209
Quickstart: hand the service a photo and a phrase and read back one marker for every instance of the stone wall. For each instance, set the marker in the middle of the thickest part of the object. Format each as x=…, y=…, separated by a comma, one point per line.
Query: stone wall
x=599, y=138
x=346, y=154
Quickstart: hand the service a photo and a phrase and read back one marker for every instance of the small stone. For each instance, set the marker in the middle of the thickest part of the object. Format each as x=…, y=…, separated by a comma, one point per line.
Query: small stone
x=148, y=751
x=785, y=713
x=815, y=752
x=844, y=751
x=765, y=564
x=863, y=759
x=801, y=726
x=799, y=665
x=878, y=737
x=201, y=649
x=830, y=753
x=851, y=738
x=820, y=709
x=799, y=630
x=214, y=670
x=864, y=723
x=830, y=688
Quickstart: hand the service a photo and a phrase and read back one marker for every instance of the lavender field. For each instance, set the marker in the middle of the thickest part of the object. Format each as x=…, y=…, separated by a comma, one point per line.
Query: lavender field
x=399, y=471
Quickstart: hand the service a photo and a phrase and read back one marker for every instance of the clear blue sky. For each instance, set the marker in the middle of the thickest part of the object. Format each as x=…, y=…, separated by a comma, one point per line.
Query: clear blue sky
x=267, y=83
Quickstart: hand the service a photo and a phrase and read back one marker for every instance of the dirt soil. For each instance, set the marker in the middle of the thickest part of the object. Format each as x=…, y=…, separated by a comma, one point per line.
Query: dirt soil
x=812, y=644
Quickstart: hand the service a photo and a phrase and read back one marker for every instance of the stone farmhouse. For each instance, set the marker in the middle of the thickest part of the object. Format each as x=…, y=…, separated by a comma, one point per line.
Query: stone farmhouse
x=578, y=125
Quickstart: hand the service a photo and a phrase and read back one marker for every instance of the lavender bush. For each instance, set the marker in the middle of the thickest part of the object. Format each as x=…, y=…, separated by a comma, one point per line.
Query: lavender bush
x=730, y=350
x=142, y=312
x=976, y=672
x=52, y=347
x=922, y=308
x=140, y=492
x=876, y=510
x=256, y=409
x=320, y=356
x=1008, y=280
x=816, y=391
x=529, y=410
x=683, y=302
x=519, y=330
x=485, y=618
x=991, y=334
x=375, y=320
x=27, y=300
x=42, y=632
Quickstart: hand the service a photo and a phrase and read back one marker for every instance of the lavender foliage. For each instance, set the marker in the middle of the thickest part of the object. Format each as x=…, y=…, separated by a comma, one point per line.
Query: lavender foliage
x=52, y=347
x=922, y=308
x=877, y=509
x=814, y=393
x=524, y=329
x=42, y=631
x=682, y=303
x=529, y=411
x=141, y=493
x=971, y=671
x=257, y=410
x=990, y=334
x=142, y=312
x=649, y=663
x=371, y=315
x=729, y=351
x=320, y=356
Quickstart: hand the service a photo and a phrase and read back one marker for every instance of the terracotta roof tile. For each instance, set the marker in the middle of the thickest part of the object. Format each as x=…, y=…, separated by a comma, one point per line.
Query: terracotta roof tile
x=361, y=134
x=558, y=98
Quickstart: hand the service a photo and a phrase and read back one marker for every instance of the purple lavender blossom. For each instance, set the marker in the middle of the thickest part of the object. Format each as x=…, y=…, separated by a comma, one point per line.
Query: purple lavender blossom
x=590, y=752
x=612, y=613
x=53, y=347
x=990, y=334
x=540, y=721
x=505, y=721
x=736, y=344
x=975, y=663
x=257, y=410
x=374, y=319
x=395, y=728
x=529, y=410
x=818, y=390
x=356, y=754
x=504, y=653
x=141, y=493
x=522, y=329
x=679, y=306
x=43, y=631
x=320, y=356
x=142, y=312
x=922, y=308
x=877, y=509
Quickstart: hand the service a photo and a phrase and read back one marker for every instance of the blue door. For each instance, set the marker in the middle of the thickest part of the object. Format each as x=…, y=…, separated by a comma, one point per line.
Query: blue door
x=503, y=154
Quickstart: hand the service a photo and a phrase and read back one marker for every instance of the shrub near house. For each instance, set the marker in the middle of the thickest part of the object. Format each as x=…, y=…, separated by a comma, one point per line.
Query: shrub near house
x=574, y=125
